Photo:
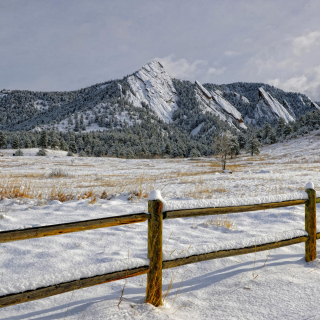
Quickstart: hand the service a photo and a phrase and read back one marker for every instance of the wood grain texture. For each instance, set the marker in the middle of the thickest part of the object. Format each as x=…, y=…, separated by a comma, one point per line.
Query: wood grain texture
x=44, y=292
x=311, y=226
x=224, y=210
x=230, y=253
x=154, y=278
x=52, y=230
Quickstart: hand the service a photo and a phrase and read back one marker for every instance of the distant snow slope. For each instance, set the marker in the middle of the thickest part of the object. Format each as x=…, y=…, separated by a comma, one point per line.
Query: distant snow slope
x=214, y=103
x=152, y=85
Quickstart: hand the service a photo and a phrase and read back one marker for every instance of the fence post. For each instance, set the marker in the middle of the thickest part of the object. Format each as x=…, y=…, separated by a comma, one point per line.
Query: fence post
x=154, y=277
x=310, y=223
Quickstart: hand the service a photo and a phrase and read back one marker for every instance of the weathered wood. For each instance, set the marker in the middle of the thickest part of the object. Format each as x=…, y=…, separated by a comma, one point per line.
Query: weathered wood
x=311, y=226
x=52, y=230
x=230, y=253
x=30, y=295
x=223, y=210
x=317, y=200
x=154, y=278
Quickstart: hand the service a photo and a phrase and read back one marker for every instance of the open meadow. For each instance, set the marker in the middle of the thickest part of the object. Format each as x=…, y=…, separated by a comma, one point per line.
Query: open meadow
x=275, y=284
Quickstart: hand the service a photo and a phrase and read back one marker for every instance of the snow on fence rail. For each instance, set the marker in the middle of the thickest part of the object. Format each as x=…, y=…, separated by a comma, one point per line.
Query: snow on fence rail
x=157, y=211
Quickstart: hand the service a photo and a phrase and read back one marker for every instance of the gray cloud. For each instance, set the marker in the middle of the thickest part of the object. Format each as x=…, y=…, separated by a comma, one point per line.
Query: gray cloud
x=65, y=45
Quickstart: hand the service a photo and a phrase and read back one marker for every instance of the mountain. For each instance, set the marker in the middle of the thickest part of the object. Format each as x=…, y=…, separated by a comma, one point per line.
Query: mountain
x=269, y=109
x=153, y=86
x=214, y=103
x=151, y=96
x=259, y=102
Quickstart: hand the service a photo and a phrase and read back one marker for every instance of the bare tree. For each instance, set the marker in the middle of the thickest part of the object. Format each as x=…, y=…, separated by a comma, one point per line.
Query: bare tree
x=223, y=147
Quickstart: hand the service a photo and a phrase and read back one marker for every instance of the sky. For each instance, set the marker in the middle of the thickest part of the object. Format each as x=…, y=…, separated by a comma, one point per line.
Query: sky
x=63, y=45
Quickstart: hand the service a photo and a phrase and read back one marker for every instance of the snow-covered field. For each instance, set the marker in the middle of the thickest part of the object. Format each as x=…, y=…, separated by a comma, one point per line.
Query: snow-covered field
x=275, y=284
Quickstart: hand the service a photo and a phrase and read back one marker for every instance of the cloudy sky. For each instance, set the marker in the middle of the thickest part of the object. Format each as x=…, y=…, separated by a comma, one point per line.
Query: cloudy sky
x=70, y=44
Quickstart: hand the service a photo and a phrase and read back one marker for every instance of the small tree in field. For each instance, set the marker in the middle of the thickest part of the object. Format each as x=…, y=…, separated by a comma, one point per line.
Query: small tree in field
x=222, y=148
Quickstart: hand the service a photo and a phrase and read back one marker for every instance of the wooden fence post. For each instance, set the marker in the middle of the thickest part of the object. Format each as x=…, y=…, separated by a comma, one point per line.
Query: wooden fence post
x=154, y=277
x=310, y=223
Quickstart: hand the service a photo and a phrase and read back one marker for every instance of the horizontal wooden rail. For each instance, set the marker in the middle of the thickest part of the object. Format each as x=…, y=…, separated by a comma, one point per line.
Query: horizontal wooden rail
x=317, y=200
x=224, y=210
x=56, y=229
x=30, y=295
x=232, y=252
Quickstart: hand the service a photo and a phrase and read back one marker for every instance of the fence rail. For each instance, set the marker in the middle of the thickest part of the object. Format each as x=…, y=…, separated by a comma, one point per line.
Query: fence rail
x=56, y=229
x=155, y=217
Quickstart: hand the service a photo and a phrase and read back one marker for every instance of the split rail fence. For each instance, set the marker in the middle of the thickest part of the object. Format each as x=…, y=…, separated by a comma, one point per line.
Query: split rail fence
x=155, y=217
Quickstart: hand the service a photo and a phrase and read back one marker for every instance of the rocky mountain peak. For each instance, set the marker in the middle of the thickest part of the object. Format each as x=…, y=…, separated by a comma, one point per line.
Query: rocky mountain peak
x=153, y=86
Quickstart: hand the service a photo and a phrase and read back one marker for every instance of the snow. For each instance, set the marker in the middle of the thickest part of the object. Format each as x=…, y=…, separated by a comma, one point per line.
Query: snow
x=309, y=185
x=197, y=129
x=242, y=243
x=152, y=85
x=203, y=89
x=274, y=284
x=214, y=103
x=264, y=171
x=230, y=109
x=155, y=195
x=271, y=108
x=70, y=275
x=192, y=204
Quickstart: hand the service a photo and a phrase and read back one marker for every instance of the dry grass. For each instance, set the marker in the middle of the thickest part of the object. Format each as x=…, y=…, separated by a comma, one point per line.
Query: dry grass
x=220, y=222
x=58, y=173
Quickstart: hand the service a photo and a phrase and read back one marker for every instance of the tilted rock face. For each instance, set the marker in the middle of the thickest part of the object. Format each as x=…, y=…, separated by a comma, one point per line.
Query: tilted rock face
x=152, y=85
x=314, y=105
x=217, y=105
x=271, y=109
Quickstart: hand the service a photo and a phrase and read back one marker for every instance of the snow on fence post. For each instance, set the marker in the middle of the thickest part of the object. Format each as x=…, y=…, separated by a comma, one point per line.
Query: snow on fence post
x=310, y=223
x=154, y=277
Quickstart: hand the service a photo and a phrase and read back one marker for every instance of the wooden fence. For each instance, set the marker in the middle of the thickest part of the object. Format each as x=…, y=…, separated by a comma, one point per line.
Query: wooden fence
x=155, y=218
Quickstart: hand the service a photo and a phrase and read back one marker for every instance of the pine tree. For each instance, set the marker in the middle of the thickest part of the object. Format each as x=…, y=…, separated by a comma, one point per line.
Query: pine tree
x=27, y=143
x=266, y=130
x=279, y=127
x=287, y=130
x=77, y=125
x=194, y=153
x=70, y=121
x=63, y=145
x=44, y=139
x=15, y=142
x=55, y=143
x=234, y=146
x=18, y=153
x=3, y=140
x=241, y=141
x=73, y=146
x=253, y=146
x=41, y=153
x=272, y=137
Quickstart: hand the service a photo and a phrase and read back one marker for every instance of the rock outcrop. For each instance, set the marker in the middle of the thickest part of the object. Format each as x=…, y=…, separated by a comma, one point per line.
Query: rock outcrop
x=270, y=109
x=153, y=86
x=214, y=103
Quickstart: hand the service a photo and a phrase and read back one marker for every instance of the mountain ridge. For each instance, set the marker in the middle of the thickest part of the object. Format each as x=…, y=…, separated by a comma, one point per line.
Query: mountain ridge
x=151, y=91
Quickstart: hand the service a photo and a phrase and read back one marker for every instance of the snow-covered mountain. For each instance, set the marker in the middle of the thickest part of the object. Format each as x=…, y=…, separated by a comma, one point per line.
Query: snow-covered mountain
x=150, y=95
x=269, y=109
x=214, y=103
x=259, y=102
x=153, y=86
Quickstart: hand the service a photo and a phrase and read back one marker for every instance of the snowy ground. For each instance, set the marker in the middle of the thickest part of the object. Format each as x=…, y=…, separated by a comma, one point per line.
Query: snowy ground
x=275, y=284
